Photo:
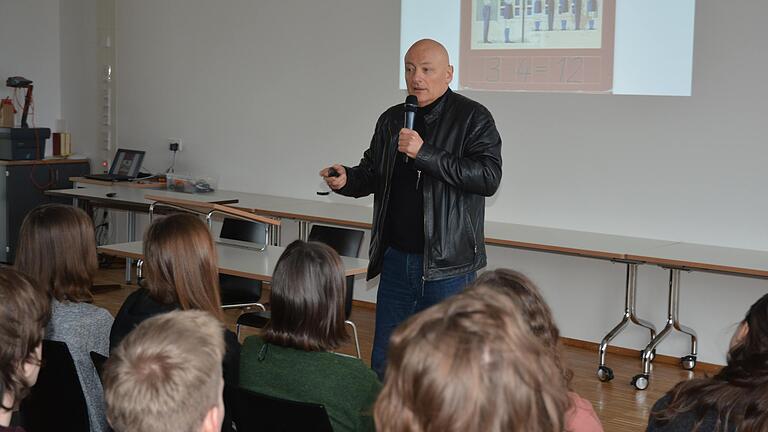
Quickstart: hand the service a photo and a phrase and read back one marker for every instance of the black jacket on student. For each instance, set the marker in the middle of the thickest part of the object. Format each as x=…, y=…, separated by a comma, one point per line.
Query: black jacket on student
x=683, y=422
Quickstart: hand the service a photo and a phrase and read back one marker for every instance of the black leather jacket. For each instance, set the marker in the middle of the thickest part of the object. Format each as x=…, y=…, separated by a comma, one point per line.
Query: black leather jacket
x=460, y=164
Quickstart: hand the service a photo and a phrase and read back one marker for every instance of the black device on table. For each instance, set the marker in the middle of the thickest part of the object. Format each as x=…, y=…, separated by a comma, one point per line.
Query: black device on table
x=125, y=166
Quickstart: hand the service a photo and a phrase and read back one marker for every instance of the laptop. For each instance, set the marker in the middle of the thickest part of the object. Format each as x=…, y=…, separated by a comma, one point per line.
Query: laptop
x=125, y=167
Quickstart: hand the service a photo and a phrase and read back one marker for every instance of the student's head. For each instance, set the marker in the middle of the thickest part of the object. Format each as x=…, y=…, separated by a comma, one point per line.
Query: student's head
x=57, y=247
x=24, y=313
x=535, y=311
x=180, y=263
x=468, y=364
x=308, y=293
x=166, y=375
x=751, y=336
x=738, y=394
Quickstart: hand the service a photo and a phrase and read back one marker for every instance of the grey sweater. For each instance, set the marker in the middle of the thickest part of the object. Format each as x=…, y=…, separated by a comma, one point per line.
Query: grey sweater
x=84, y=328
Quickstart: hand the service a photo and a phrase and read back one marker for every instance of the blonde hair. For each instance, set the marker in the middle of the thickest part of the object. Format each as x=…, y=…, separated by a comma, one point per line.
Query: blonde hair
x=166, y=374
x=57, y=247
x=180, y=260
x=533, y=309
x=468, y=364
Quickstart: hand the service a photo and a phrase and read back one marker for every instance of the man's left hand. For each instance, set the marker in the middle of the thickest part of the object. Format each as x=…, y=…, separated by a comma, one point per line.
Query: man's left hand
x=409, y=143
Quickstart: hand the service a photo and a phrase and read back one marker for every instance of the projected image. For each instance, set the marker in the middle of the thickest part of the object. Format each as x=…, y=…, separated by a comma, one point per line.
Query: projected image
x=532, y=24
x=625, y=47
x=537, y=45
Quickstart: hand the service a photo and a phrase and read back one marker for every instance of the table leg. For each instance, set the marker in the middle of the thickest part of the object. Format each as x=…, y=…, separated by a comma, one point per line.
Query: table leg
x=131, y=237
x=303, y=230
x=604, y=373
x=688, y=362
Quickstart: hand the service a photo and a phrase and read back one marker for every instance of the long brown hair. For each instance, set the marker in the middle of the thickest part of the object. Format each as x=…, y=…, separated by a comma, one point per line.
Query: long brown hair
x=57, y=247
x=738, y=394
x=181, y=264
x=535, y=311
x=308, y=293
x=468, y=364
x=24, y=312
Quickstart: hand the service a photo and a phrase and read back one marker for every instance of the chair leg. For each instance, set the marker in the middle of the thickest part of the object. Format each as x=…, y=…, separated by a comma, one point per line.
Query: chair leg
x=357, y=340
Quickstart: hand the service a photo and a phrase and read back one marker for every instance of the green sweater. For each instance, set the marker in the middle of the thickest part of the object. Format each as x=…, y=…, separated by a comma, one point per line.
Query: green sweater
x=345, y=385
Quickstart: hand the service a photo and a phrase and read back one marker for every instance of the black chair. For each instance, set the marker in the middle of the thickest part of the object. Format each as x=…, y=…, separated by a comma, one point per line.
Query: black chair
x=239, y=292
x=56, y=402
x=258, y=412
x=98, y=363
x=346, y=242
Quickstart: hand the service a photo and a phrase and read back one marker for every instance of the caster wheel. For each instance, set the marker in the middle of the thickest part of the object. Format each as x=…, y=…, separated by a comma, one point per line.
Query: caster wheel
x=641, y=381
x=604, y=373
x=688, y=362
x=653, y=354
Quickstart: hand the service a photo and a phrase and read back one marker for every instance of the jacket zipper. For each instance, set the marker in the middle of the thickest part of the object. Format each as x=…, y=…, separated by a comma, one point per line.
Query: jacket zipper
x=472, y=228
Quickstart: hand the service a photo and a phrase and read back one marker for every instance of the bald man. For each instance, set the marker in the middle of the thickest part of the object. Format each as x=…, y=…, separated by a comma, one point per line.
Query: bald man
x=429, y=185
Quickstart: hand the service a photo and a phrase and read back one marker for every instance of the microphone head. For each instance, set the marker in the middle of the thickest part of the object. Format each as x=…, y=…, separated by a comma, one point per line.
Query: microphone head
x=411, y=103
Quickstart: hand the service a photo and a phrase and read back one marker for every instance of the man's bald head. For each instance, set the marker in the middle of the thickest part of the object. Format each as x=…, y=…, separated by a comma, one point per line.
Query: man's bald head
x=427, y=70
x=429, y=46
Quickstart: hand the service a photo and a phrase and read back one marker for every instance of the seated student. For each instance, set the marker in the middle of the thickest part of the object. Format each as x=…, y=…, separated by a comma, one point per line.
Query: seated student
x=166, y=375
x=470, y=363
x=57, y=247
x=581, y=416
x=181, y=269
x=736, y=399
x=292, y=360
x=24, y=313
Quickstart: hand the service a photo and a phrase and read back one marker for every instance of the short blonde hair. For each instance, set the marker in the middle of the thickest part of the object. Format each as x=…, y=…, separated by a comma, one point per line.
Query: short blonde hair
x=468, y=364
x=166, y=374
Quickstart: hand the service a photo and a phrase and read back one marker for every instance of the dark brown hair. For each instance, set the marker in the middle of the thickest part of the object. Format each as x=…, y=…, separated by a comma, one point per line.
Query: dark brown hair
x=181, y=264
x=24, y=312
x=468, y=364
x=308, y=293
x=57, y=247
x=535, y=311
x=738, y=394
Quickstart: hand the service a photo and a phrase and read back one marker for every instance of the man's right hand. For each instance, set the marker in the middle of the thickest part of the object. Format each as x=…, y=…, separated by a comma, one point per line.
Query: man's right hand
x=337, y=182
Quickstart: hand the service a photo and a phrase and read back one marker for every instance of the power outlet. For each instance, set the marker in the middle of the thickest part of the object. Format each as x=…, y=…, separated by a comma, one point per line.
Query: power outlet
x=175, y=142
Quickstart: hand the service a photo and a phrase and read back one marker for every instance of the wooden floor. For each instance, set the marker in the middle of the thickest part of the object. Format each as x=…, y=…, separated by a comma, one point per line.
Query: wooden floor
x=617, y=403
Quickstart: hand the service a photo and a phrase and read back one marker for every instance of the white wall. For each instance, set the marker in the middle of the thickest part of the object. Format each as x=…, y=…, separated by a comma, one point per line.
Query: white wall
x=80, y=76
x=53, y=43
x=266, y=93
x=29, y=47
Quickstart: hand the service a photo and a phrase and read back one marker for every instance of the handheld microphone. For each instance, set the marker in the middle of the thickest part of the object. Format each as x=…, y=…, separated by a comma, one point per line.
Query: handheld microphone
x=411, y=105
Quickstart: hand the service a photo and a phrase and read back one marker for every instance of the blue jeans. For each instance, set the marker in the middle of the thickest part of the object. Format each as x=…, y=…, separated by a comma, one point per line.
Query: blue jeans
x=402, y=293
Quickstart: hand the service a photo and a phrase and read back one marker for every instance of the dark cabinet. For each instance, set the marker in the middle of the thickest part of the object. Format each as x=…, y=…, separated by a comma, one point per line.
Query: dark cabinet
x=22, y=187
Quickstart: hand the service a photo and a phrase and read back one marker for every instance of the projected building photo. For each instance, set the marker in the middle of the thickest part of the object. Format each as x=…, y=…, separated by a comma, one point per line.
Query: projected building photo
x=537, y=45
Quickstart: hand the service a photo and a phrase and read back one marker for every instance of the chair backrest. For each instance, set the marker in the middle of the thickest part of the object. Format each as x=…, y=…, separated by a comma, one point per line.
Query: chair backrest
x=237, y=290
x=98, y=362
x=346, y=242
x=262, y=413
x=243, y=231
x=56, y=402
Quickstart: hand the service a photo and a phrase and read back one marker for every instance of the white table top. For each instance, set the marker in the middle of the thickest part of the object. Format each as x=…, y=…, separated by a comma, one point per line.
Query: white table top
x=554, y=240
x=583, y=243
x=238, y=261
x=746, y=262
x=308, y=210
x=133, y=196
